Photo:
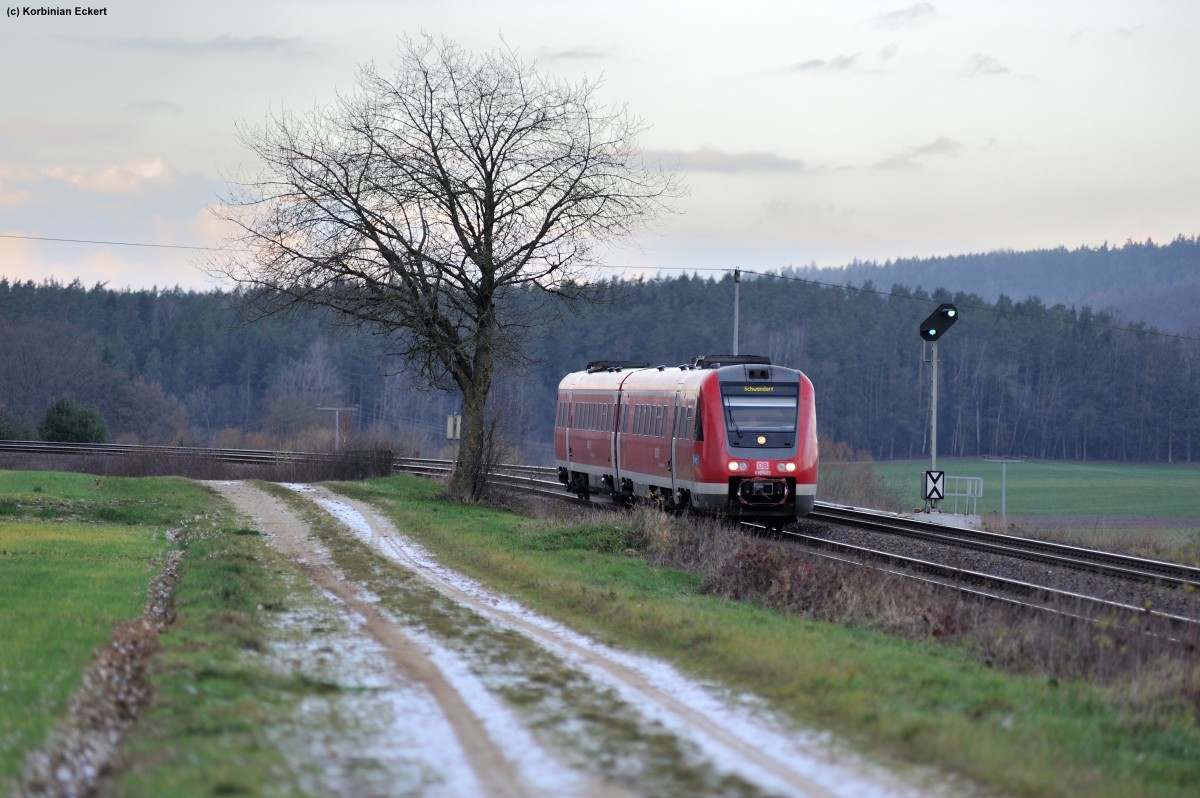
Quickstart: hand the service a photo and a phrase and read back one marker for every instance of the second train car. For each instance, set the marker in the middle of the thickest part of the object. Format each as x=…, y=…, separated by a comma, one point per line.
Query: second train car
x=732, y=435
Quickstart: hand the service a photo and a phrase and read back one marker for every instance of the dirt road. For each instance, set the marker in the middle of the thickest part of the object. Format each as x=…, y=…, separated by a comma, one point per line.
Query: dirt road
x=472, y=694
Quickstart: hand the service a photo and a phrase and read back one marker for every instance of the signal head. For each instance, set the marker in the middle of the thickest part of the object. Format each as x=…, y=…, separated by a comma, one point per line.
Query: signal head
x=936, y=324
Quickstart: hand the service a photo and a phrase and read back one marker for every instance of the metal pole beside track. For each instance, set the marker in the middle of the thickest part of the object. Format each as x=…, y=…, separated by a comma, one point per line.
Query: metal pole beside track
x=933, y=402
x=737, y=284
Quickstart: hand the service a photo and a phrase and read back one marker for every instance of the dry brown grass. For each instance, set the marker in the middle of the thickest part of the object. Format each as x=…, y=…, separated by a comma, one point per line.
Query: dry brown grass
x=1155, y=673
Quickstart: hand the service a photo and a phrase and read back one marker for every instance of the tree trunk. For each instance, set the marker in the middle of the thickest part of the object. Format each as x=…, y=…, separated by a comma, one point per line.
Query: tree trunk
x=469, y=479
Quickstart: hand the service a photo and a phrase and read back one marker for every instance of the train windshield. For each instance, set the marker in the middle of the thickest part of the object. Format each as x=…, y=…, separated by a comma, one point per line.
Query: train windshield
x=760, y=408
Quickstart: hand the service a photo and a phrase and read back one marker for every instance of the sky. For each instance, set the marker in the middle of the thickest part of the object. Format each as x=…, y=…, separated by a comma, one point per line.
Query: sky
x=807, y=131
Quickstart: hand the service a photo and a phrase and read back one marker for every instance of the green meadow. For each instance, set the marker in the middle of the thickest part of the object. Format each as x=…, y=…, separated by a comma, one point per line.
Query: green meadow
x=1053, y=488
x=77, y=553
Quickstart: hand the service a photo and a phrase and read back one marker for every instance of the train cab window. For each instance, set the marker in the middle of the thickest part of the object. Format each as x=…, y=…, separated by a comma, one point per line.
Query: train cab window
x=699, y=426
x=769, y=409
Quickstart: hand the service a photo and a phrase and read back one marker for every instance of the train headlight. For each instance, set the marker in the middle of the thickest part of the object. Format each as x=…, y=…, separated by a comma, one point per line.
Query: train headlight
x=789, y=467
x=738, y=465
x=762, y=440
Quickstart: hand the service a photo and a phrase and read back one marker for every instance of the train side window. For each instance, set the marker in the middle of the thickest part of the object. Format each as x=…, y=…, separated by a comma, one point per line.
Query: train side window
x=658, y=421
x=640, y=426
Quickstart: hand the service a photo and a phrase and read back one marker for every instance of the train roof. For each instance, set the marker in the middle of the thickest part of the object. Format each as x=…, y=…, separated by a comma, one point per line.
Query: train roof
x=607, y=375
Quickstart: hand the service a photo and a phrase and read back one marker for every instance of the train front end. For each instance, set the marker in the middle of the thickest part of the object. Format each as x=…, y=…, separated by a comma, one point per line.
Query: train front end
x=760, y=443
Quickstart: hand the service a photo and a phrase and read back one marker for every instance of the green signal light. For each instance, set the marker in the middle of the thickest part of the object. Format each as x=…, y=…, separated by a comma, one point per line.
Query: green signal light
x=939, y=321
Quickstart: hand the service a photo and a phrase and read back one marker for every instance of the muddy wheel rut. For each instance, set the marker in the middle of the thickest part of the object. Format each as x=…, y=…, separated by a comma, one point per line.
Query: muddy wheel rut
x=531, y=707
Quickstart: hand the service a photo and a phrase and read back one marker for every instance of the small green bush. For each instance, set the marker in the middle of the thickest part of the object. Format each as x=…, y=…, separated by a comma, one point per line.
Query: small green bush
x=68, y=421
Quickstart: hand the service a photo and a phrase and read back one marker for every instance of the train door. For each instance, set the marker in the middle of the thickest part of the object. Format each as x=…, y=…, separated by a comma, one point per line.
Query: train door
x=615, y=435
x=570, y=425
x=673, y=432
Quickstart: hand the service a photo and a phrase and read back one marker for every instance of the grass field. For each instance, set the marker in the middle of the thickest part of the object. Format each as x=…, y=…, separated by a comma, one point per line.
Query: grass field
x=1051, y=488
x=77, y=554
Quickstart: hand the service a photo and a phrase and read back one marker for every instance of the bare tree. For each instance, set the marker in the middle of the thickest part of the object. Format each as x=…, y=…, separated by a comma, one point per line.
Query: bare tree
x=454, y=206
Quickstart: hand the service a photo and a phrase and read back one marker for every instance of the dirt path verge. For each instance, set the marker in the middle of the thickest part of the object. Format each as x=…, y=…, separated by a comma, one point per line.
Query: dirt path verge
x=685, y=738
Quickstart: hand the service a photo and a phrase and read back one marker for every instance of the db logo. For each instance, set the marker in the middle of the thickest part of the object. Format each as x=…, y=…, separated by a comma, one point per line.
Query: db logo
x=762, y=466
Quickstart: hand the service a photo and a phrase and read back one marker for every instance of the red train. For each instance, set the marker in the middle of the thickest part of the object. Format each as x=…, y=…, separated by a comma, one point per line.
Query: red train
x=727, y=434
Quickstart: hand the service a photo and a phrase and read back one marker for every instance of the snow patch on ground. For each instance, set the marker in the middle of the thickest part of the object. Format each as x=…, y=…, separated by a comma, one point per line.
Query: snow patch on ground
x=367, y=735
x=813, y=757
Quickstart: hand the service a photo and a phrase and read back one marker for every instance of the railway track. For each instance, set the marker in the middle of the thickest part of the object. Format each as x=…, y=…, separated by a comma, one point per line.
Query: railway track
x=1106, y=563
x=543, y=481
x=238, y=456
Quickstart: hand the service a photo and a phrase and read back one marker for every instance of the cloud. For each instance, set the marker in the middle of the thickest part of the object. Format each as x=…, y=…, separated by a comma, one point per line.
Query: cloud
x=982, y=65
x=839, y=63
x=707, y=159
x=220, y=45
x=581, y=53
x=906, y=17
x=912, y=157
x=154, y=107
x=12, y=179
x=116, y=178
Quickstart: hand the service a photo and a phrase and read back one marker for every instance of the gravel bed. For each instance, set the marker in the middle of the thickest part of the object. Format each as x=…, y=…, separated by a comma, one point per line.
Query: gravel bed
x=1139, y=594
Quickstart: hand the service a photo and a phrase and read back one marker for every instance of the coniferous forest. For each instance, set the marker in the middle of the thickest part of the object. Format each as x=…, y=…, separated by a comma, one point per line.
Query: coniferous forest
x=1018, y=377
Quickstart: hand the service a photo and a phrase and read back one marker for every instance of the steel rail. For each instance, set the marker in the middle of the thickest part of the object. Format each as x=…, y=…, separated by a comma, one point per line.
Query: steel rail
x=1047, y=598
x=191, y=452
x=1094, y=560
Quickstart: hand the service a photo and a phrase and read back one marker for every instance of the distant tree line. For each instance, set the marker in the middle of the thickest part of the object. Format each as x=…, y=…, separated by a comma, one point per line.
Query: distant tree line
x=1158, y=283
x=1018, y=377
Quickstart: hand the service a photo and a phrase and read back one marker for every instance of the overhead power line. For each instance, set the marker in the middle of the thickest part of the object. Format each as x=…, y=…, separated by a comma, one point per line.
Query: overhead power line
x=119, y=243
